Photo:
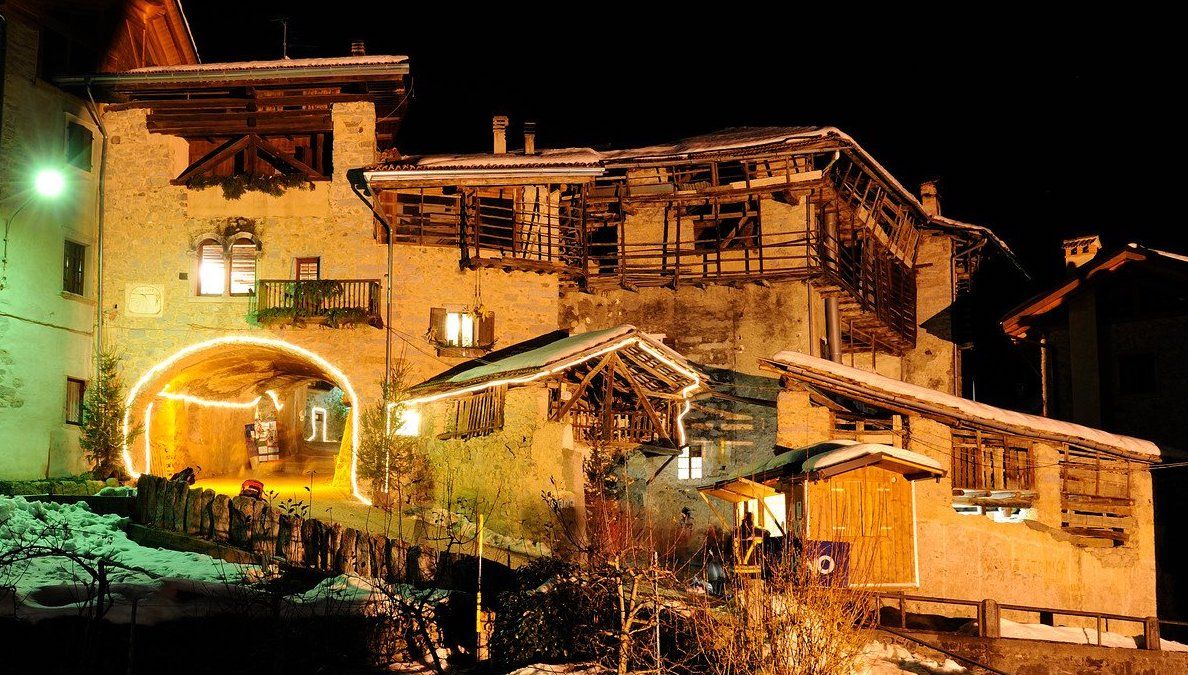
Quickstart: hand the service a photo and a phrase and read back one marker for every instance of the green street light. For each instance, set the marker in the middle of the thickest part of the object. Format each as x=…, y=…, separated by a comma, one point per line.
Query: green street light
x=49, y=183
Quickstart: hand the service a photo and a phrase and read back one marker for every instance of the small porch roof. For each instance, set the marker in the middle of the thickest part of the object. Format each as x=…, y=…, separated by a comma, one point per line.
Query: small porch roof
x=558, y=352
x=823, y=460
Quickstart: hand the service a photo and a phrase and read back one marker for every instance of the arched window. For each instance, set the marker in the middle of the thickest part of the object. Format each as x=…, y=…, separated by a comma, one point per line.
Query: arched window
x=243, y=267
x=212, y=268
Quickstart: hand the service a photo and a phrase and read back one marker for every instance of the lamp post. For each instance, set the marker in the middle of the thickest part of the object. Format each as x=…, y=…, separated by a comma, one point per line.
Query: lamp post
x=48, y=183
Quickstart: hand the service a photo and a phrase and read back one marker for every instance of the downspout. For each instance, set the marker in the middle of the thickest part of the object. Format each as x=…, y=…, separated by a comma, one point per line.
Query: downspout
x=351, y=176
x=93, y=108
x=832, y=314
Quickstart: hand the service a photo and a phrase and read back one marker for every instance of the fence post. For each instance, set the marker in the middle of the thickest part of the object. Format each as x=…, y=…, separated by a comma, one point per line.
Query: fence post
x=1151, y=633
x=988, y=619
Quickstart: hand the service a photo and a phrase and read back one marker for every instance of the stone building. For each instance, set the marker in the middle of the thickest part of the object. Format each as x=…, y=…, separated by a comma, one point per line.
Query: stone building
x=49, y=284
x=923, y=490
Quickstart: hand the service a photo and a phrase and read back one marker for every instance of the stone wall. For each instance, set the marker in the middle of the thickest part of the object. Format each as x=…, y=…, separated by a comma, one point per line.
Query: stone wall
x=1029, y=563
x=1037, y=657
x=46, y=334
x=270, y=533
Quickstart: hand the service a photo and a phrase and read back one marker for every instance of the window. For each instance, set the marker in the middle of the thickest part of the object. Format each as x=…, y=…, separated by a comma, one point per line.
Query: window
x=1138, y=374
x=990, y=461
x=689, y=463
x=212, y=269
x=308, y=269
x=461, y=331
x=216, y=276
x=79, y=140
x=74, y=268
x=76, y=391
x=243, y=267
x=1095, y=495
x=479, y=414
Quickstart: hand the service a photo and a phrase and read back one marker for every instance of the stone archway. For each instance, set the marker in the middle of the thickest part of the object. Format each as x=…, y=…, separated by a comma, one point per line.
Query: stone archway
x=227, y=377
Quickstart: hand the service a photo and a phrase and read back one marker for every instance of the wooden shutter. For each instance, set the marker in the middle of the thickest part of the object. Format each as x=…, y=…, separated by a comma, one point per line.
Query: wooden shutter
x=243, y=268
x=309, y=269
x=437, y=325
x=486, y=329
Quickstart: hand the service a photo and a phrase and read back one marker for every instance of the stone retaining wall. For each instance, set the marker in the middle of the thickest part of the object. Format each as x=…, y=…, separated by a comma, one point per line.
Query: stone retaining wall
x=268, y=532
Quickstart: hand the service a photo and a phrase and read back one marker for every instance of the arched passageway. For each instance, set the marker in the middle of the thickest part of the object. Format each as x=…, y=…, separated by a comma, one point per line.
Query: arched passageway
x=245, y=406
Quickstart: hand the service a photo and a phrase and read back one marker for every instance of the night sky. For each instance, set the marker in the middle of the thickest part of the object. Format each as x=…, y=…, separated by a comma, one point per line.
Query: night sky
x=1038, y=126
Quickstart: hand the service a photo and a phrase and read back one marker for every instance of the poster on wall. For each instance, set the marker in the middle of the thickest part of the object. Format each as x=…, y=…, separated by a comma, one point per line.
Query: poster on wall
x=264, y=439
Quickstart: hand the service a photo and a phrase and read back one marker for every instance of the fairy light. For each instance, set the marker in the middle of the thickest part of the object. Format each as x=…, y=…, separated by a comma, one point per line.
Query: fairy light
x=208, y=403
x=148, y=446
x=164, y=365
x=315, y=413
x=275, y=400
x=641, y=343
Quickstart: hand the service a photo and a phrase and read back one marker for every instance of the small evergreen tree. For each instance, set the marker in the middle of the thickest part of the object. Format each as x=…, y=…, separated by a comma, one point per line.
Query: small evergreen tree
x=396, y=467
x=103, y=436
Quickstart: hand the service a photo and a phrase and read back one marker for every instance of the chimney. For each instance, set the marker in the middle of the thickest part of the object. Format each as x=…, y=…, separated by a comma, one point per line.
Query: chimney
x=499, y=130
x=1080, y=250
x=530, y=138
x=929, y=199
x=358, y=48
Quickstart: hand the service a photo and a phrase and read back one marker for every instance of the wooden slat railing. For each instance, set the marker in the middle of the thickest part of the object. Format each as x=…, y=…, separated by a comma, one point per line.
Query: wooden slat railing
x=319, y=298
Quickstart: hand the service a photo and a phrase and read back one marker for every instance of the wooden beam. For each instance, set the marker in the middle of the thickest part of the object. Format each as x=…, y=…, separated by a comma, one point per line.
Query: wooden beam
x=643, y=400
x=581, y=388
x=212, y=158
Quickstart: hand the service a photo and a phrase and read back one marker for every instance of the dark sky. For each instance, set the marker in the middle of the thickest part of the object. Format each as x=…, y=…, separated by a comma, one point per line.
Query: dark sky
x=1039, y=126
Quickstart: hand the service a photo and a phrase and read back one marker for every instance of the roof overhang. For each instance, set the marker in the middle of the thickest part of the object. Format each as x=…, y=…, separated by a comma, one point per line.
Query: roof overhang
x=737, y=490
x=414, y=178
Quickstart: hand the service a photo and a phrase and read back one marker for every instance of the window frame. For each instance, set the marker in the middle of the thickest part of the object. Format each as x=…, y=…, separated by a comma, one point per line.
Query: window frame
x=227, y=261
x=89, y=154
x=239, y=242
x=202, y=260
x=68, y=274
x=689, y=464
x=482, y=338
x=315, y=260
x=78, y=410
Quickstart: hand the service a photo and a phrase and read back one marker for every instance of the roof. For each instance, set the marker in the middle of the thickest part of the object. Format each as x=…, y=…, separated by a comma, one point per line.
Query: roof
x=551, y=353
x=824, y=459
x=894, y=394
x=277, y=64
x=735, y=140
x=1019, y=320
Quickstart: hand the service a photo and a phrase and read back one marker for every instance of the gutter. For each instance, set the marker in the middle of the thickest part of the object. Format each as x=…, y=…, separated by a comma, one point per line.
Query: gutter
x=422, y=174
x=93, y=109
x=231, y=74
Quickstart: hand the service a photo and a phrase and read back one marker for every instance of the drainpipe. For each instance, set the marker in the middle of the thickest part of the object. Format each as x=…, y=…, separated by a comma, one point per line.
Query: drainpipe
x=355, y=178
x=93, y=108
x=832, y=314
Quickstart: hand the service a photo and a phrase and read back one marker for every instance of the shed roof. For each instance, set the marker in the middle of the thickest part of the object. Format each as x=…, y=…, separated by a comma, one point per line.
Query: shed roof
x=894, y=394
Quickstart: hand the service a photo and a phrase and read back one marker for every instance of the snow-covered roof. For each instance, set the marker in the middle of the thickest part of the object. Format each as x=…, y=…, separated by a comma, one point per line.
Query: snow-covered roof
x=880, y=390
x=735, y=138
x=552, y=158
x=850, y=451
x=278, y=64
x=533, y=359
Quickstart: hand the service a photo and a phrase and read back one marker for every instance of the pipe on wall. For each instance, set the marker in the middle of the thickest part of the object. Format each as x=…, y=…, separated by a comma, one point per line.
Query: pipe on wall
x=832, y=313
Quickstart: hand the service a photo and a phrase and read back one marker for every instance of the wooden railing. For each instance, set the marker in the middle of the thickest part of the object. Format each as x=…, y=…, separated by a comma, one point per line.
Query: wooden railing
x=341, y=301
x=989, y=620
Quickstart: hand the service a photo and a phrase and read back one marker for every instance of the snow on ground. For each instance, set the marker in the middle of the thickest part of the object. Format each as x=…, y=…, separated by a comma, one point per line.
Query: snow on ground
x=1084, y=636
x=878, y=658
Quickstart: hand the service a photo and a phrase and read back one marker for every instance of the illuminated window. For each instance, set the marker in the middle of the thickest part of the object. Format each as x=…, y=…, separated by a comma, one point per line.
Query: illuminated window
x=212, y=269
x=689, y=463
x=317, y=424
x=460, y=329
x=221, y=271
x=243, y=267
x=76, y=391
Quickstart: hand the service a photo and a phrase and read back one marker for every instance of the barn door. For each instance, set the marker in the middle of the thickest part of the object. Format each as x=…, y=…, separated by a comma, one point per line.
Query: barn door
x=871, y=510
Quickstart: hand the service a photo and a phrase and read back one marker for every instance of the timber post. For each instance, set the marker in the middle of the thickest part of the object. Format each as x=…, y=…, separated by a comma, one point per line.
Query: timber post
x=988, y=615
x=1151, y=633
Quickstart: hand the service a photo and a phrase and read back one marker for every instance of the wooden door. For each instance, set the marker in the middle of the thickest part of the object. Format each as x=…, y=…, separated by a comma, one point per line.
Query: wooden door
x=870, y=509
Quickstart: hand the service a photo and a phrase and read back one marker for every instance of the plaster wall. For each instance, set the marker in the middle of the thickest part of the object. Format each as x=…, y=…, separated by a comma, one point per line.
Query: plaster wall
x=46, y=334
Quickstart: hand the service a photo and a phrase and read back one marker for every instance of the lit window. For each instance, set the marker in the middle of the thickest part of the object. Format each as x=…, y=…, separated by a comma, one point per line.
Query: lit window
x=243, y=268
x=76, y=390
x=689, y=464
x=460, y=329
x=410, y=422
x=317, y=417
x=212, y=269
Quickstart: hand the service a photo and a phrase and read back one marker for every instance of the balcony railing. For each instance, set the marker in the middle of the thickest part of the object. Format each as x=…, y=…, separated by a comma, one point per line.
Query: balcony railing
x=332, y=302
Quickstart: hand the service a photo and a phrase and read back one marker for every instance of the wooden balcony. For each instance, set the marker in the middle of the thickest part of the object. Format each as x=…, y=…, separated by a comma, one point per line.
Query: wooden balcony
x=337, y=303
